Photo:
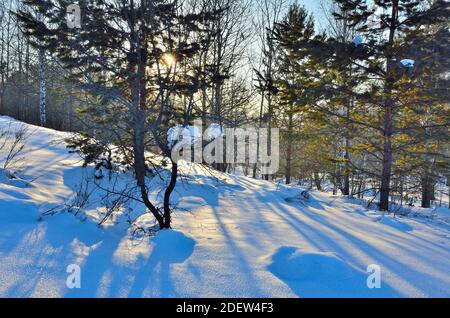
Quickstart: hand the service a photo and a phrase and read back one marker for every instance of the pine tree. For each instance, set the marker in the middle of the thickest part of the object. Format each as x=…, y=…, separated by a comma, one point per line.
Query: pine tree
x=130, y=57
x=292, y=74
x=388, y=30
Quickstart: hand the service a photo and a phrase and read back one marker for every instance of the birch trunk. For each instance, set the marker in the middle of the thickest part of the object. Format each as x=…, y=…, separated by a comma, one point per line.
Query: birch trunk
x=42, y=89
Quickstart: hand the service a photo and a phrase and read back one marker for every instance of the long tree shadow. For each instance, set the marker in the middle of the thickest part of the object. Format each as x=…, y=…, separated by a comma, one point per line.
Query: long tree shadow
x=347, y=242
x=169, y=248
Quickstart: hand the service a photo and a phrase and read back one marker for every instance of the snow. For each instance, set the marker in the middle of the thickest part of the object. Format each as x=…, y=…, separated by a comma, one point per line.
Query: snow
x=358, y=40
x=232, y=236
x=189, y=134
x=408, y=63
x=214, y=131
x=183, y=135
x=320, y=274
x=172, y=246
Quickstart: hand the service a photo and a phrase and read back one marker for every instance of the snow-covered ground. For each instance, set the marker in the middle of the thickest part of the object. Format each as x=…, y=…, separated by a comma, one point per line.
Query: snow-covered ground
x=232, y=237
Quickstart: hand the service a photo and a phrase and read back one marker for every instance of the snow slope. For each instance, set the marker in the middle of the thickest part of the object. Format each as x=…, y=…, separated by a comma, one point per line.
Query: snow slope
x=233, y=237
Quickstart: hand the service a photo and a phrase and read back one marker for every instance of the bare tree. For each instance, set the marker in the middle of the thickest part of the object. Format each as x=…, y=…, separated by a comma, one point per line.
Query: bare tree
x=269, y=14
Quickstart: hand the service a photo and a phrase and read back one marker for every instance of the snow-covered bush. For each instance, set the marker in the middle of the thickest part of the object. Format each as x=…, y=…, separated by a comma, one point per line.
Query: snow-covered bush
x=214, y=131
x=182, y=134
x=188, y=135
x=408, y=63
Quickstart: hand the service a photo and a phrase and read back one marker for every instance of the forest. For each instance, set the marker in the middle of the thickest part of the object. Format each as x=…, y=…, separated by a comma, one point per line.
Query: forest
x=355, y=116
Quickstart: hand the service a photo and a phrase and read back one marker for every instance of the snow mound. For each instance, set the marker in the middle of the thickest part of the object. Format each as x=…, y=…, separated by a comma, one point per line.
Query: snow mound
x=389, y=220
x=9, y=178
x=4, y=176
x=321, y=274
x=172, y=246
x=408, y=63
x=396, y=224
x=443, y=212
x=291, y=263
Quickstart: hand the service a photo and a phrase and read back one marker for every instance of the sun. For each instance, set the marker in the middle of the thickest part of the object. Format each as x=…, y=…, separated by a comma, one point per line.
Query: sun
x=169, y=60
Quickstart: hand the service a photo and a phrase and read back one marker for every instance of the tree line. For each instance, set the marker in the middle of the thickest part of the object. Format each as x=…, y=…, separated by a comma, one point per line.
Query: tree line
x=376, y=85
x=362, y=103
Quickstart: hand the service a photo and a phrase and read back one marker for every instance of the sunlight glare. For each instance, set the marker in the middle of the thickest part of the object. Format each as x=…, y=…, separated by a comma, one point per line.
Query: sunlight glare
x=169, y=60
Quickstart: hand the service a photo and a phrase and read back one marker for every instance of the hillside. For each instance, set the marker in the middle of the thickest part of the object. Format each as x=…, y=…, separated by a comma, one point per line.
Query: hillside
x=233, y=236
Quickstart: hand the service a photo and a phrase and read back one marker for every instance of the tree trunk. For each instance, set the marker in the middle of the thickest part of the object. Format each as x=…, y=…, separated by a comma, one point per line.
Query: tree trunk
x=289, y=150
x=42, y=89
x=448, y=186
x=388, y=113
x=5, y=64
x=140, y=167
x=432, y=189
x=28, y=117
x=261, y=107
x=317, y=181
x=2, y=72
x=427, y=190
x=426, y=200
x=138, y=101
x=167, y=194
x=269, y=128
x=387, y=160
x=346, y=189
